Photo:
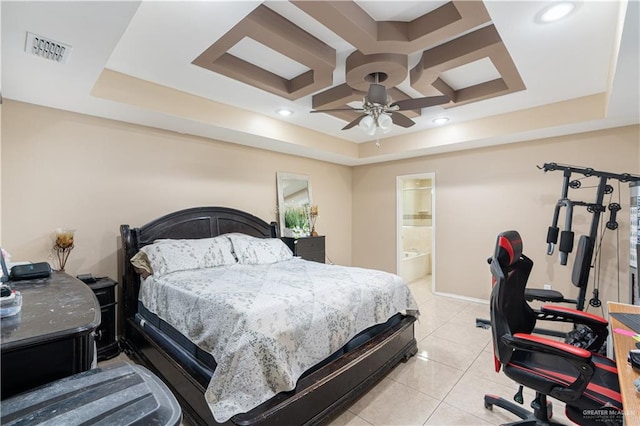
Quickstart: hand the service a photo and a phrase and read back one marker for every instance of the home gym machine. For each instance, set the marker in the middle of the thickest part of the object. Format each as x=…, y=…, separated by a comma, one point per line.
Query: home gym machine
x=588, y=248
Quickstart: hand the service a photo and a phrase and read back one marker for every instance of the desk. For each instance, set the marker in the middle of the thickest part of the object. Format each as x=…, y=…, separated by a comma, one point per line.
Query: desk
x=52, y=336
x=626, y=375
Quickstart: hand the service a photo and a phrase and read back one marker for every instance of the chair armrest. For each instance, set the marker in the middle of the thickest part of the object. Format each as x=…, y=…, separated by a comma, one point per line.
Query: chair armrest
x=579, y=358
x=540, y=344
x=582, y=317
x=543, y=295
x=596, y=323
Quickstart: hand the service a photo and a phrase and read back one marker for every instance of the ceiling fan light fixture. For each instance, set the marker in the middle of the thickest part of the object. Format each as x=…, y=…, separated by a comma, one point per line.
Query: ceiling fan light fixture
x=385, y=123
x=381, y=112
x=368, y=125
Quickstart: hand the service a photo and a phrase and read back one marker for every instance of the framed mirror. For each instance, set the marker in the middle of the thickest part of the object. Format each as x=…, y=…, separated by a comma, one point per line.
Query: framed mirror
x=294, y=203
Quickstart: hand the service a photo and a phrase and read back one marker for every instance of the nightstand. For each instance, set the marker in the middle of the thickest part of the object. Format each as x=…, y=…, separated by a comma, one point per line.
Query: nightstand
x=105, y=290
x=308, y=248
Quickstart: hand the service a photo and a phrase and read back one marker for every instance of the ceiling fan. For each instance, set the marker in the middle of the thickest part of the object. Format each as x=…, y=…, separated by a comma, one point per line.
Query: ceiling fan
x=380, y=112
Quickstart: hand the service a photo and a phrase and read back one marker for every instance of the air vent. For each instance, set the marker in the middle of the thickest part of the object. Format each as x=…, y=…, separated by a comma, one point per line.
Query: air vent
x=47, y=48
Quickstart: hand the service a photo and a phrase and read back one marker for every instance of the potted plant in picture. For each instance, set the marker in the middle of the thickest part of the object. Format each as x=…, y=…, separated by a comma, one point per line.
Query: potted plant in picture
x=296, y=221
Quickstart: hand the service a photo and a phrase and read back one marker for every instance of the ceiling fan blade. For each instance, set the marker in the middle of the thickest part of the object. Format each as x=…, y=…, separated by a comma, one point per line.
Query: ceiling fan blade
x=419, y=103
x=401, y=120
x=354, y=122
x=336, y=109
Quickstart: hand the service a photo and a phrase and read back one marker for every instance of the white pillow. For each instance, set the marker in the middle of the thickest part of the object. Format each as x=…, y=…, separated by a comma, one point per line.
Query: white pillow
x=166, y=256
x=258, y=251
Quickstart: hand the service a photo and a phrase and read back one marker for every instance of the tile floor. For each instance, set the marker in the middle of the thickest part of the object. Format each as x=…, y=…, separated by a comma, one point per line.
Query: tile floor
x=445, y=382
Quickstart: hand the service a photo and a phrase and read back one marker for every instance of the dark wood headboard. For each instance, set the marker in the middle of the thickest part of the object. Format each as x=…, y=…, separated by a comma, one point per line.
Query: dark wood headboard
x=197, y=222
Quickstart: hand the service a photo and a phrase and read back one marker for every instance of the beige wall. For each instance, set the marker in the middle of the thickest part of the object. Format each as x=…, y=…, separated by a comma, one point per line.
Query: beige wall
x=61, y=169
x=482, y=192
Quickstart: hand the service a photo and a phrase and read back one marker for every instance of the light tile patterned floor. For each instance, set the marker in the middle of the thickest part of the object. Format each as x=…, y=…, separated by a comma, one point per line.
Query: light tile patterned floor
x=444, y=384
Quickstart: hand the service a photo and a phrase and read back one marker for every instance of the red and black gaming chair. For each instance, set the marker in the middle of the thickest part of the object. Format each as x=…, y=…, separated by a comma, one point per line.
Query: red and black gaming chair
x=586, y=382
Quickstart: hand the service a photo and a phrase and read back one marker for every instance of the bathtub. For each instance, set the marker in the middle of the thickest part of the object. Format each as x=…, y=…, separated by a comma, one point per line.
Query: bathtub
x=415, y=265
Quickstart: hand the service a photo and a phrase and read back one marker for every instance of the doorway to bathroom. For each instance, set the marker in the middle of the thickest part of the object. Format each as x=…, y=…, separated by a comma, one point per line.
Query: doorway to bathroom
x=416, y=221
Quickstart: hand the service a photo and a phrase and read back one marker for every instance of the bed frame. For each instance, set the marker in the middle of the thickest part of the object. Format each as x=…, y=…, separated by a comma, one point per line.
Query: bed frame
x=317, y=397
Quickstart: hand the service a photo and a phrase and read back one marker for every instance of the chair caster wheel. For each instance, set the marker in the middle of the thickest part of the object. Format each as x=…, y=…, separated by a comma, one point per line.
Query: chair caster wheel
x=488, y=406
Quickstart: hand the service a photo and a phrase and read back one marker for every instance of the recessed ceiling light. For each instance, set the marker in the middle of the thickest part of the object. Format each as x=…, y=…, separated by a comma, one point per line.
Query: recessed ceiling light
x=556, y=11
x=284, y=112
x=440, y=120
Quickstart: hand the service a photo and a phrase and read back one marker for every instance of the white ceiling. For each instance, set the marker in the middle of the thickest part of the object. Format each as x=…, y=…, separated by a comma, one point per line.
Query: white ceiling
x=593, y=51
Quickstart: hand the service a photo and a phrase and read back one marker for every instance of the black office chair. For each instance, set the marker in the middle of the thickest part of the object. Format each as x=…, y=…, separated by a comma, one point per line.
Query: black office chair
x=579, y=278
x=585, y=381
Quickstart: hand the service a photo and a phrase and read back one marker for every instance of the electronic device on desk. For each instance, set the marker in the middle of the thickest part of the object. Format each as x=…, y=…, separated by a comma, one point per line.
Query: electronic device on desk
x=630, y=320
x=634, y=358
x=30, y=271
x=24, y=270
x=10, y=299
x=5, y=274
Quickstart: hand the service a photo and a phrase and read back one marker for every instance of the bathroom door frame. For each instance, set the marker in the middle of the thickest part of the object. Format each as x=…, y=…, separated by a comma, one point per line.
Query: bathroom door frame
x=400, y=220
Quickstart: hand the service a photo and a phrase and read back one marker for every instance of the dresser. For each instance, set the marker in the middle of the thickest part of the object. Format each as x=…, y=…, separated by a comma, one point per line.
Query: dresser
x=52, y=336
x=308, y=248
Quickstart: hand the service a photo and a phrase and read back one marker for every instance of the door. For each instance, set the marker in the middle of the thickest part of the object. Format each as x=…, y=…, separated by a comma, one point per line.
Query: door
x=415, y=227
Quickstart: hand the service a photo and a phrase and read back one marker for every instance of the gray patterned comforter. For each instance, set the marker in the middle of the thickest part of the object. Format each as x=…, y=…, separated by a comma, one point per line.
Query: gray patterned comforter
x=267, y=324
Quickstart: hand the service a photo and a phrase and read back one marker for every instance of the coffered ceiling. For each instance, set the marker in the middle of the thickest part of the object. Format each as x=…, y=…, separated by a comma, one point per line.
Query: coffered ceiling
x=221, y=69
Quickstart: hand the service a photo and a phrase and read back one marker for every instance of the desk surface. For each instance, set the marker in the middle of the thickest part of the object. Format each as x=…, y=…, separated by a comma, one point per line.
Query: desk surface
x=626, y=375
x=51, y=307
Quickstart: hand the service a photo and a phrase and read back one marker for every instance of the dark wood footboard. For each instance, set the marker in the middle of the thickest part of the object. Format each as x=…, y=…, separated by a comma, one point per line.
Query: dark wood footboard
x=318, y=397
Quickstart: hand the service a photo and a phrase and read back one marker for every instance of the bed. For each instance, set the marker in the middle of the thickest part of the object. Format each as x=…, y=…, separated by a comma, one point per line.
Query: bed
x=321, y=391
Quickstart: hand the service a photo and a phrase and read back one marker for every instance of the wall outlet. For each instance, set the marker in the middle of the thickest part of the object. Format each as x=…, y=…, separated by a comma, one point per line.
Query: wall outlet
x=547, y=286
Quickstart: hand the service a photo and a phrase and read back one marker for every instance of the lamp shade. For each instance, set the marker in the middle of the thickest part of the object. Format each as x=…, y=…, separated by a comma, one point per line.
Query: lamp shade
x=367, y=125
x=385, y=122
